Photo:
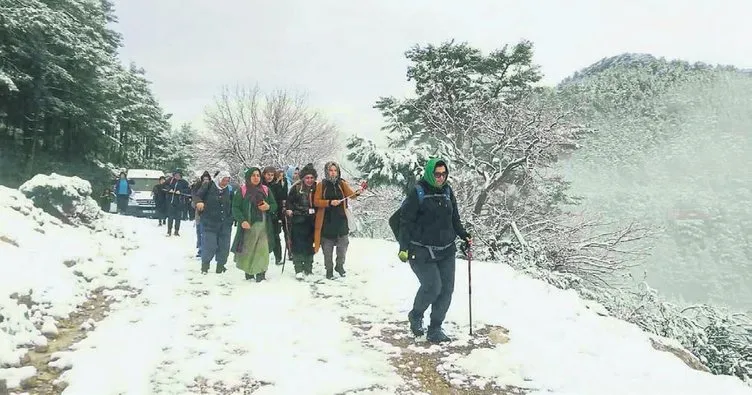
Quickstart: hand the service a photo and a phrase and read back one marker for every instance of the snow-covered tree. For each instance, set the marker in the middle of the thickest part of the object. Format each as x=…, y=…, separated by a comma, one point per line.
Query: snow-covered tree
x=177, y=151
x=66, y=102
x=246, y=127
x=488, y=118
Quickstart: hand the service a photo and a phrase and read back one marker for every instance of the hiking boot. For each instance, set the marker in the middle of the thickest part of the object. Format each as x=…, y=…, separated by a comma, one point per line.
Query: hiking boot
x=298, y=266
x=436, y=335
x=177, y=234
x=221, y=269
x=248, y=276
x=329, y=274
x=340, y=269
x=416, y=325
x=260, y=277
x=308, y=268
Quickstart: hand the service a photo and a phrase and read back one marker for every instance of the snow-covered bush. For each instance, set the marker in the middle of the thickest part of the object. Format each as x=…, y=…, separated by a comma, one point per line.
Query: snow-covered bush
x=66, y=198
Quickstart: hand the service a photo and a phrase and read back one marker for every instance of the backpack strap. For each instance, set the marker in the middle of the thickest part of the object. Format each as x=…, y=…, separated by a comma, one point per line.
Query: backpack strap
x=446, y=194
x=421, y=193
x=244, y=189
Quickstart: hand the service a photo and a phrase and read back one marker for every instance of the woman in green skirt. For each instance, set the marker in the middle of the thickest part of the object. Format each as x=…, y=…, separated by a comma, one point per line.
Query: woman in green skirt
x=252, y=206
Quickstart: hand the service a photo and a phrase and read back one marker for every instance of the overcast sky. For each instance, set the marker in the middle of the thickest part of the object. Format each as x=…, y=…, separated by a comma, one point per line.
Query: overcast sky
x=345, y=54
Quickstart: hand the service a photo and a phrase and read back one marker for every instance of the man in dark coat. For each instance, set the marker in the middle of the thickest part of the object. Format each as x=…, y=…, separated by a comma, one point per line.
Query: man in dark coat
x=268, y=178
x=177, y=189
x=428, y=230
x=205, y=179
x=160, y=200
x=214, y=204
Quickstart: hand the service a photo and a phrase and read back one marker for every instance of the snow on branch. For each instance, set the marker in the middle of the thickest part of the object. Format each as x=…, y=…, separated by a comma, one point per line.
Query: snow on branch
x=499, y=141
x=246, y=127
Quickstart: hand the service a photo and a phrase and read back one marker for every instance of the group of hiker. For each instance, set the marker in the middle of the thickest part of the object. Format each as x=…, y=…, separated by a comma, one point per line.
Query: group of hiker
x=268, y=202
x=313, y=214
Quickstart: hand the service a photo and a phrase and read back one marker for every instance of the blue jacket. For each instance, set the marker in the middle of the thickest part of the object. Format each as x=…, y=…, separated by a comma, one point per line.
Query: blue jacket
x=122, y=187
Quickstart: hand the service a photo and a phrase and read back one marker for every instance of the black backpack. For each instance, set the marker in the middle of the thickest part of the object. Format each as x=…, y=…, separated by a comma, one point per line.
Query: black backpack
x=394, y=220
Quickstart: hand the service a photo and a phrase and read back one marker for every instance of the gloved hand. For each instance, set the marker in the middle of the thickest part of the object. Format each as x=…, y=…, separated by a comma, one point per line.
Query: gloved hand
x=403, y=256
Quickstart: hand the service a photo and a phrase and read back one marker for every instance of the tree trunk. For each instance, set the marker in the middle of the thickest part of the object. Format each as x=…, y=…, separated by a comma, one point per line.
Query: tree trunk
x=479, y=203
x=496, y=184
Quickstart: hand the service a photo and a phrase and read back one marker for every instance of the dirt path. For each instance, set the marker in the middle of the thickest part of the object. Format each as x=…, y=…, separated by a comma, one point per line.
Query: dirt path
x=421, y=364
x=70, y=331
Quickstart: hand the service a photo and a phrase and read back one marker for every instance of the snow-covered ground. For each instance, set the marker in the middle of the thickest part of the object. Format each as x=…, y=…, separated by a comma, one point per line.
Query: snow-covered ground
x=186, y=333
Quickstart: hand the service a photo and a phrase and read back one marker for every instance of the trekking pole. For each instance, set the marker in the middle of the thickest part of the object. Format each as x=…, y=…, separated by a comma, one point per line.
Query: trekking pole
x=470, y=284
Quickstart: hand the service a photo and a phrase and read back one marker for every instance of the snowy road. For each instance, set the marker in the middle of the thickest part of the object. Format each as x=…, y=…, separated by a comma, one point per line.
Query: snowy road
x=220, y=333
x=185, y=333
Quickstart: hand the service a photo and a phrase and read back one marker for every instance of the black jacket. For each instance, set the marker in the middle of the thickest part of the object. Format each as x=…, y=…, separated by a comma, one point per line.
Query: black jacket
x=335, y=220
x=174, y=199
x=300, y=201
x=279, y=190
x=435, y=222
x=217, y=206
x=160, y=197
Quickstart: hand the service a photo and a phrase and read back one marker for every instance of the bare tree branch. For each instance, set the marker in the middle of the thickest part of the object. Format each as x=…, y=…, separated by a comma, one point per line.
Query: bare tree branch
x=245, y=127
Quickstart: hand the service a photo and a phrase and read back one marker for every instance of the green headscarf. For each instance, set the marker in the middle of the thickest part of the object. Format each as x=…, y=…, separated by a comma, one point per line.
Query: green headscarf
x=430, y=168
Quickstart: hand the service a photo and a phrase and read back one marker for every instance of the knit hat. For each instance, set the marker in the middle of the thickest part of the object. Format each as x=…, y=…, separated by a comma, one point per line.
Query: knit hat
x=308, y=170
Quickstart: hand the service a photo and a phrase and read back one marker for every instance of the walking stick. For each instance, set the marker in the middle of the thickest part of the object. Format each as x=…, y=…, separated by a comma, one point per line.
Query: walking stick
x=287, y=237
x=363, y=187
x=469, y=254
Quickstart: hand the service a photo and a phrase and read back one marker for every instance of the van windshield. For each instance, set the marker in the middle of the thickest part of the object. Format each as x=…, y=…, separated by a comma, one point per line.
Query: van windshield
x=144, y=184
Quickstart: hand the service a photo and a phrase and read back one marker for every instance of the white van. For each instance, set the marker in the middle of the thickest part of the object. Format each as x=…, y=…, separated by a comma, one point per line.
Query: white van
x=141, y=203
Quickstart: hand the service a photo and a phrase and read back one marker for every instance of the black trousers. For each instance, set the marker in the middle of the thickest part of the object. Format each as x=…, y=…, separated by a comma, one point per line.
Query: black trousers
x=436, y=277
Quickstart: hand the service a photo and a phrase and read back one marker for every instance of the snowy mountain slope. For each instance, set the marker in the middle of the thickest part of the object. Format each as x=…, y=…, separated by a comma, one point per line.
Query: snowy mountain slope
x=219, y=334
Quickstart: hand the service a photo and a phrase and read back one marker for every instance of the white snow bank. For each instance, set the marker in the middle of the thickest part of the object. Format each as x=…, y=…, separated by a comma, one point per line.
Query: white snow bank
x=47, y=269
x=558, y=343
x=220, y=334
x=67, y=198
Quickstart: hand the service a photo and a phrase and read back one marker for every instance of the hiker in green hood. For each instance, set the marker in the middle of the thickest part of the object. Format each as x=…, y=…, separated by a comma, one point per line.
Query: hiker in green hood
x=428, y=228
x=252, y=207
